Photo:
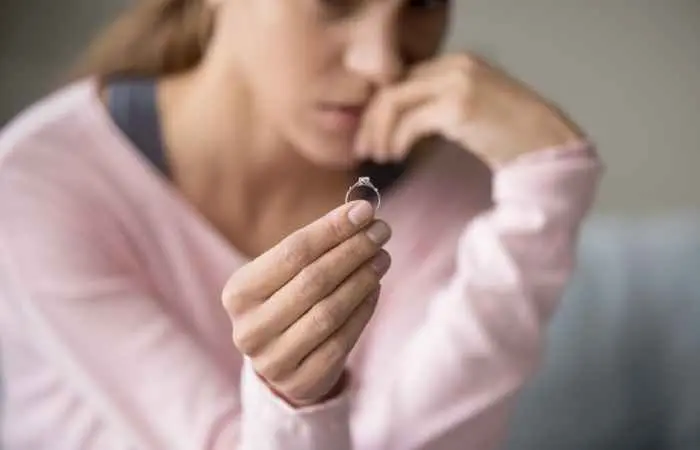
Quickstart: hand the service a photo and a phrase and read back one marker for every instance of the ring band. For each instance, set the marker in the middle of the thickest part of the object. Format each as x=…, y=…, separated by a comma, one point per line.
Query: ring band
x=364, y=182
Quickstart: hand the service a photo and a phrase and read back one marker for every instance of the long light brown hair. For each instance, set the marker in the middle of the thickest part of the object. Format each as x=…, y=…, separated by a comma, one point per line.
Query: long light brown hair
x=151, y=38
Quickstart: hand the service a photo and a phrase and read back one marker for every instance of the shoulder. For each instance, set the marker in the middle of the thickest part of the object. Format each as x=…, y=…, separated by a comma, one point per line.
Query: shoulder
x=68, y=136
x=42, y=155
x=63, y=224
x=59, y=200
x=54, y=116
x=49, y=137
x=64, y=152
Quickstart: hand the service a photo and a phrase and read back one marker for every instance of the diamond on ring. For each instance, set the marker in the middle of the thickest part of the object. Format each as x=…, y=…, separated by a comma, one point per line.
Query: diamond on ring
x=363, y=189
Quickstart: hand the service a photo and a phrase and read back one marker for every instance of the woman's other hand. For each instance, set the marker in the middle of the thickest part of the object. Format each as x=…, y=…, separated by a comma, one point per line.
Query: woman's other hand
x=298, y=309
x=466, y=100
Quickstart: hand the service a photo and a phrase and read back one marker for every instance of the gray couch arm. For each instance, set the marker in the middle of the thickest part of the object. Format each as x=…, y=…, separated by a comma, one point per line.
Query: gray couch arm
x=622, y=368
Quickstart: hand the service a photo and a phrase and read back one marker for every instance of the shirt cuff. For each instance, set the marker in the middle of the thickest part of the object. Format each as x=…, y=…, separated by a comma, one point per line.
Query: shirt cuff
x=561, y=180
x=269, y=422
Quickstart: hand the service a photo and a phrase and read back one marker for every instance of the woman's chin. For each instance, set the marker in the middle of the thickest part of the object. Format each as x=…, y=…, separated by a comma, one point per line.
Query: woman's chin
x=328, y=149
x=336, y=160
x=333, y=155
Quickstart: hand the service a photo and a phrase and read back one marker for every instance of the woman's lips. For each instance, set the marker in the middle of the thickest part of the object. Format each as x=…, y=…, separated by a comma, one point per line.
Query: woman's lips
x=341, y=117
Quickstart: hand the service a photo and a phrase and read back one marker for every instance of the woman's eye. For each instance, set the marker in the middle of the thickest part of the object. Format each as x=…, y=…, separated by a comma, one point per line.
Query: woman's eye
x=427, y=4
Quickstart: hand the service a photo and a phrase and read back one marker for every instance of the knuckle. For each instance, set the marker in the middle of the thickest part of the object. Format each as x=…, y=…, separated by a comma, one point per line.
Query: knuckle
x=230, y=301
x=244, y=340
x=232, y=298
x=336, y=350
x=324, y=318
x=460, y=81
x=311, y=380
x=313, y=281
x=334, y=227
x=272, y=369
x=330, y=358
x=466, y=62
x=296, y=250
x=337, y=229
x=358, y=249
x=301, y=387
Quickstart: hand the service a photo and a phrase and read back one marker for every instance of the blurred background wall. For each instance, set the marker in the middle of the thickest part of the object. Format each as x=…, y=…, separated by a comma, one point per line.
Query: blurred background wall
x=627, y=70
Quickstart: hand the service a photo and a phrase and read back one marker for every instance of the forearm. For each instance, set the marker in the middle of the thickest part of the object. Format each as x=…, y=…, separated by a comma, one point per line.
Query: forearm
x=482, y=337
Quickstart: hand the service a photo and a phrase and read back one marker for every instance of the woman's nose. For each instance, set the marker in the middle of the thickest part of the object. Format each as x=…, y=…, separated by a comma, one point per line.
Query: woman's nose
x=373, y=52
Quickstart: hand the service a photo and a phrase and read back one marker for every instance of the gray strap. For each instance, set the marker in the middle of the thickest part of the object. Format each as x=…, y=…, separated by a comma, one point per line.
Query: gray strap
x=132, y=105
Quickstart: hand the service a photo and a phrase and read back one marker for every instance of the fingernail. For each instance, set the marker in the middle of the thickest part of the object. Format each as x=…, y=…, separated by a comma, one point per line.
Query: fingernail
x=381, y=263
x=379, y=233
x=361, y=213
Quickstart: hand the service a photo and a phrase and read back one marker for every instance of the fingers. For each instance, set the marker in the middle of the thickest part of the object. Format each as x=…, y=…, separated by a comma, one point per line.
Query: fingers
x=285, y=354
x=259, y=279
x=328, y=358
x=460, y=62
x=436, y=99
x=380, y=120
x=309, y=287
x=415, y=125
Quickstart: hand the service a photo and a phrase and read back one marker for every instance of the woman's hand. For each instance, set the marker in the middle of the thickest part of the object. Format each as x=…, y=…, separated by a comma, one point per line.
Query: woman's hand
x=465, y=100
x=298, y=309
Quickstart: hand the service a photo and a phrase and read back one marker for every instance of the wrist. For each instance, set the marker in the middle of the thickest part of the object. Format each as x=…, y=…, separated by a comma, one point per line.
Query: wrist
x=337, y=389
x=548, y=134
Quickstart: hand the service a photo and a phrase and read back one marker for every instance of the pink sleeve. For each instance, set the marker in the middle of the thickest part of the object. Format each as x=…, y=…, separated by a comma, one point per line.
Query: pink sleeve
x=482, y=338
x=110, y=367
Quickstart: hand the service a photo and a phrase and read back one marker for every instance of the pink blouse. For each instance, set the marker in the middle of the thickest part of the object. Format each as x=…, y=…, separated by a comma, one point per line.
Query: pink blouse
x=114, y=337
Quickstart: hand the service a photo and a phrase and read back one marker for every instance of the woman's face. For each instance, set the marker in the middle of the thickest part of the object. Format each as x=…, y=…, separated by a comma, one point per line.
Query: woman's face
x=313, y=65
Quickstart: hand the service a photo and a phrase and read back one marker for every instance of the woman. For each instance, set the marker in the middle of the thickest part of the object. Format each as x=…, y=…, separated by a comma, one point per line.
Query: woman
x=221, y=179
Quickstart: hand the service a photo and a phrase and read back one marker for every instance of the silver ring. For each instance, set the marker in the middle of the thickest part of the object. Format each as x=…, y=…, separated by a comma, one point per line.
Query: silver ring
x=364, y=182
